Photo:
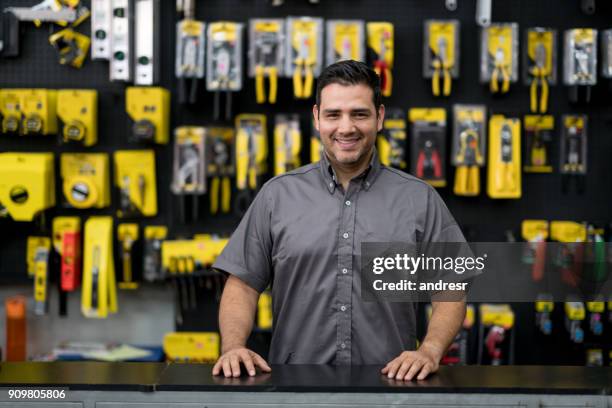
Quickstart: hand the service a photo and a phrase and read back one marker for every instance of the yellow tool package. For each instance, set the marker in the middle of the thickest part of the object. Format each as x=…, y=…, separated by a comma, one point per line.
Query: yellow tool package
x=538, y=143
x=469, y=147
x=29, y=111
x=304, y=53
x=504, y=169
x=85, y=180
x=77, y=110
x=189, y=166
x=149, y=112
x=428, y=144
x=345, y=41
x=574, y=150
x=266, y=55
x=251, y=150
x=127, y=236
x=287, y=143
x=540, y=66
x=192, y=347
x=499, y=56
x=220, y=166
x=392, y=141
x=316, y=147
x=136, y=181
x=580, y=63
x=381, y=52
x=99, y=293
x=441, y=54
x=27, y=185
x=39, y=249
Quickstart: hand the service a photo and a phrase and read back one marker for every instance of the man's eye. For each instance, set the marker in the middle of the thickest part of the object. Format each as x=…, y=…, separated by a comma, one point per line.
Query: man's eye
x=332, y=115
x=361, y=115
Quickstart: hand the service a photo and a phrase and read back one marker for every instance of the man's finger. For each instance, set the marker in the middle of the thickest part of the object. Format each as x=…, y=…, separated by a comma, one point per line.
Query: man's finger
x=425, y=371
x=261, y=363
x=216, y=367
x=235, y=364
x=227, y=370
x=393, y=366
x=248, y=362
x=416, y=366
x=403, y=369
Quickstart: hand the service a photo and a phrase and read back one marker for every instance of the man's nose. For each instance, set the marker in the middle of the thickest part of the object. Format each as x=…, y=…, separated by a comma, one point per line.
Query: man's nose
x=346, y=125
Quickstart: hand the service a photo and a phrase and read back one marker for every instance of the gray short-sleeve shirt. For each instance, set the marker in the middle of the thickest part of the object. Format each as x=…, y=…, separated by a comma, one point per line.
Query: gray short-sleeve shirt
x=302, y=234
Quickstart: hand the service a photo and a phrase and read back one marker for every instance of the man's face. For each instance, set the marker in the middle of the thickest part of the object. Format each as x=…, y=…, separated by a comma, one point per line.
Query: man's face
x=347, y=122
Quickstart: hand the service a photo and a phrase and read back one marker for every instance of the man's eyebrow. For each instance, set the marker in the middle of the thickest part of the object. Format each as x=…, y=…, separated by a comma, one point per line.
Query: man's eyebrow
x=356, y=110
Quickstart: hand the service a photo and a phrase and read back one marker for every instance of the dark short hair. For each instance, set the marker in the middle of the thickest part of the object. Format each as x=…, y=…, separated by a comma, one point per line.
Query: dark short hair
x=347, y=73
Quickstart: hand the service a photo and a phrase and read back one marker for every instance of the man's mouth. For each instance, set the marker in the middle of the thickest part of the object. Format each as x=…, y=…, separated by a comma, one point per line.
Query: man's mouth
x=347, y=142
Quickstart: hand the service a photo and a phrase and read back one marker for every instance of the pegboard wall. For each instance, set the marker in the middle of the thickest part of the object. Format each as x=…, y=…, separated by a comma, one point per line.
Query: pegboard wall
x=484, y=219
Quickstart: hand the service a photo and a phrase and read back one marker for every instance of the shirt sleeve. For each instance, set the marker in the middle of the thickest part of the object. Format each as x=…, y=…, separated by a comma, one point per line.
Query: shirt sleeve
x=439, y=224
x=248, y=252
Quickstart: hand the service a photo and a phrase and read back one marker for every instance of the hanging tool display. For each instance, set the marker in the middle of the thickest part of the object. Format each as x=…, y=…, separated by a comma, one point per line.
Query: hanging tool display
x=304, y=55
x=136, y=181
x=27, y=185
x=540, y=66
x=101, y=29
x=264, y=311
x=428, y=145
x=266, y=55
x=220, y=162
x=10, y=108
x=127, y=236
x=41, y=277
x=85, y=180
x=77, y=110
x=499, y=56
x=580, y=63
x=574, y=151
x=189, y=168
x=538, y=143
x=251, y=157
x=392, y=141
x=224, y=64
x=121, y=42
x=316, y=147
x=574, y=316
x=147, y=42
x=570, y=257
x=469, y=148
x=190, y=49
x=99, y=294
x=381, y=52
x=192, y=347
x=287, y=143
x=67, y=244
x=345, y=41
x=441, y=54
x=496, y=337
x=154, y=235
x=149, y=112
x=606, y=54
x=504, y=170
x=39, y=111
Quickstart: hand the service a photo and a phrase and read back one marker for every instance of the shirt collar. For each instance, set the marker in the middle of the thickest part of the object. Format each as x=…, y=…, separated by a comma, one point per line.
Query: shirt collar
x=368, y=176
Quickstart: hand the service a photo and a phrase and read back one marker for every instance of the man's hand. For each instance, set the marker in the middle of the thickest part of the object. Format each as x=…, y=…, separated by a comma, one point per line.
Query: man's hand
x=231, y=359
x=419, y=363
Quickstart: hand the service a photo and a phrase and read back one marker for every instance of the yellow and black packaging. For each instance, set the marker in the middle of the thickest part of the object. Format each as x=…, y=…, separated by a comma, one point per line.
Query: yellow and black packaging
x=469, y=148
x=27, y=184
x=304, y=53
x=99, y=292
x=316, y=147
x=574, y=144
x=189, y=166
x=392, y=141
x=266, y=42
x=504, y=170
x=192, y=347
x=85, y=180
x=40, y=264
x=381, y=48
x=149, y=112
x=10, y=107
x=127, y=236
x=540, y=66
x=154, y=235
x=345, y=41
x=496, y=334
x=39, y=112
x=251, y=150
x=287, y=143
x=499, y=56
x=136, y=181
x=428, y=144
x=538, y=143
x=441, y=54
x=77, y=110
x=220, y=163
x=71, y=46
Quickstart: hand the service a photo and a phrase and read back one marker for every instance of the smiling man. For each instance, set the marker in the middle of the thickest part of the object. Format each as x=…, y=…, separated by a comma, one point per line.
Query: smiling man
x=303, y=235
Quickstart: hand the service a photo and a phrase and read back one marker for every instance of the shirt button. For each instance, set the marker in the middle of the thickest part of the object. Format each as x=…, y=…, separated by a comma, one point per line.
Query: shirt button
x=345, y=271
x=331, y=184
x=342, y=346
x=345, y=235
x=347, y=202
x=343, y=308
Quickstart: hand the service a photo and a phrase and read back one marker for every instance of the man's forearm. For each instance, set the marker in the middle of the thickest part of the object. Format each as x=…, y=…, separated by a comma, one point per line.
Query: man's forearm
x=446, y=320
x=236, y=313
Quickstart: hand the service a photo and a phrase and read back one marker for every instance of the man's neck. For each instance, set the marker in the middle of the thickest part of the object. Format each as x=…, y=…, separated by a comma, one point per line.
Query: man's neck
x=345, y=173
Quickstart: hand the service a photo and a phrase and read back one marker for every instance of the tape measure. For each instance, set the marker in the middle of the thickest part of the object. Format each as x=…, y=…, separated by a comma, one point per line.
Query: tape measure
x=80, y=192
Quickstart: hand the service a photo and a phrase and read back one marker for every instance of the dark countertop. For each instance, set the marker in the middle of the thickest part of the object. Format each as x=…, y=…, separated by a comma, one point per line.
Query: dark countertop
x=307, y=378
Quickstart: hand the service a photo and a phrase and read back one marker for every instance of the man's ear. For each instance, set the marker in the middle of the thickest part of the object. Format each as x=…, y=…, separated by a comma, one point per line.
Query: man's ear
x=315, y=116
x=381, y=117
